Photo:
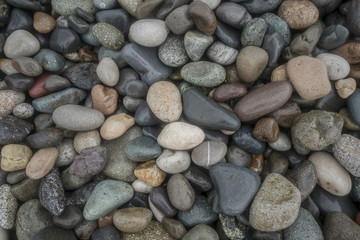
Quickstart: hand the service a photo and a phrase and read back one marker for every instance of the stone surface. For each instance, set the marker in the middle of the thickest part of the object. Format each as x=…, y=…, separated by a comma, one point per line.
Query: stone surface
x=175, y=228
x=148, y=32
x=116, y=125
x=132, y=220
x=108, y=36
x=266, y=129
x=203, y=17
x=154, y=230
x=250, y=63
x=282, y=144
x=222, y=54
x=203, y=73
x=21, y=43
x=67, y=7
x=26, y=189
x=41, y=163
x=349, y=51
x=179, y=21
x=196, y=44
x=82, y=75
x=27, y=66
x=244, y=139
x=64, y=40
x=229, y=91
x=180, y=192
x=233, y=14
x=253, y=32
x=298, y=14
x=345, y=87
x=142, y=149
x=108, y=72
x=149, y=173
x=46, y=138
x=337, y=66
x=15, y=157
x=13, y=129
x=23, y=110
x=208, y=153
x=201, y=231
x=173, y=161
x=172, y=52
x=88, y=139
x=69, y=218
x=8, y=207
x=104, y=99
x=339, y=226
x=346, y=151
x=54, y=233
x=9, y=99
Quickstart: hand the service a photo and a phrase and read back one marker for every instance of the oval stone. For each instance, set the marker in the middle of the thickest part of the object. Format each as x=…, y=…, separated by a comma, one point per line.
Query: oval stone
x=347, y=152
x=180, y=192
x=142, y=149
x=27, y=66
x=263, y=100
x=64, y=40
x=173, y=161
x=116, y=125
x=108, y=72
x=8, y=207
x=77, y=118
x=108, y=36
x=8, y=100
x=251, y=62
x=21, y=43
x=41, y=163
x=208, y=153
x=132, y=220
x=337, y=66
x=148, y=32
x=15, y=157
x=203, y=73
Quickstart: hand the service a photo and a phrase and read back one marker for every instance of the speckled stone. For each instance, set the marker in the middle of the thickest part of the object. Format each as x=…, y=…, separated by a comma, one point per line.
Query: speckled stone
x=15, y=157
x=87, y=139
x=172, y=52
x=338, y=226
x=196, y=44
x=67, y=7
x=346, y=151
x=132, y=220
x=148, y=32
x=201, y=231
x=222, y=54
x=8, y=100
x=253, y=32
x=23, y=110
x=13, y=129
x=108, y=36
x=276, y=24
x=50, y=60
x=203, y=73
x=231, y=229
x=154, y=230
x=8, y=207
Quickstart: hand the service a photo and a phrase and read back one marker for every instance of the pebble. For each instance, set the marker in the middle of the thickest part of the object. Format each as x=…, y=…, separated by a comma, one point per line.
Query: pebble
x=116, y=125
x=304, y=225
x=142, y=149
x=27, y=66
x=19, y=82
x=302, y=71
x=352, y=102
x=233, y=14
x=203, y=73
x=276, y=205
x=180, y=136
x=15, y=157
x=333, y=36
x=54, y=233
x=21, y=43
x=338, y=225
x=85, y=229
x=108, y=72
x=149, y=173
x=326, y=166
x=31, y=218
x=136, y=89
x=346, y=151
x=282, y=144
x=23, y=110
x=26, y=190
x=229, y=91
x=196, y=44
x=132, y=220
x=159, y=198
x=43, y=23
x=175, y=228
x=50, y=60
x=173, y=161
x=77, y=118
x=13, y=129
x=154, y=230
x=87, y=139
x=77, y=24
x=67, y=7
x=15, y=177
x=38, y=89
x=180, y=192
x=69, y=218
x=164, y=101
x=250, y=63
x=233, y=199
x=146, y=8
x=64, y=40
x=148, y=32
x=107, y=196
x=349, y=51
x=46, y=138
x=208, y=153
x=253, y=32
x=172, y=51
x=305, y=43
x=168, y=6
x=201, y=231
x=72, y=182
x=298, y=14
x=108, y=36
x=237, y=156
x=266, y=129
x=337, y=66
x=317, y=129
x=119, y=18
x=222, y=54
x=140, y=186
x=247, y=142
x=179, y=21
x=273, y=44
x=345, y=87
x=203, y=17
x=66, y=154
x=107, y=232
x=104, y=99
x=8, y=207
x=41, y=163
x=8, y=100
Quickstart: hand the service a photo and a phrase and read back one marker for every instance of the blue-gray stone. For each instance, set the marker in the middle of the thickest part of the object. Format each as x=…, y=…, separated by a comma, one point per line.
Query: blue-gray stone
x=114, y=55
x=50, y=102
x=49, y=137
x=78, y=24
x=64, y=40
x=142, y=149
x=353, y=103
x=244, y=139
x=145, y=117
x=273, y=44
x=88, y=37
x=333, y=36
x=105, y=4
x=276, y=24
x=119, y=18
x=19, y=19
x=50, y=60
x=235, y=186
x=258, y=7
x=67, y=7
x=109, y=232
x=146, y=62
x=228, y=35
x=253, y=33
x=136, y=89
x=84, y=14
x=202, y=111
x=199, y=213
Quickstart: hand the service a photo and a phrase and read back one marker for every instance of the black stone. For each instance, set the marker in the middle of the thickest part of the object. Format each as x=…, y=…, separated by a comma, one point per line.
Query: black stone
x=198, y=178
x=331, y=102
x=136, y=89
x=78, y=24
x=13, y=130
x=80, y=196
x=258, y=7
x=202, y=111
x=168, y=6
x=19, y=19
x=152, y=132
x=126, y=75
x=69, y=218
x=64, y=40
x=118, y=18
x=244, y=139
x=273, y=44
x=138, y=200
x=54, y=233
x=159, y=197
x=4, y=13
x=145, y=117
x=228, y=35
x=19, y=82
x=84, y=15
x=294, y=158
x=82, y=75
x=108, y=232
x=44, y=39
x=46, y=138
x=215, y=135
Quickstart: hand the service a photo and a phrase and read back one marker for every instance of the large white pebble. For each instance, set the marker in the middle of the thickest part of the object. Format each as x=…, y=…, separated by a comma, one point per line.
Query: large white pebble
x=337, y=66
x=148, y=32
x=108, y=72
x=173, y=161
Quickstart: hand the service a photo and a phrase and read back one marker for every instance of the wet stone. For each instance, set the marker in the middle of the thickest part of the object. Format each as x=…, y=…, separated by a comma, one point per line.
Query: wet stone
x=142, y=149
x=244, y=139
x=69, y=218
x=253, y=32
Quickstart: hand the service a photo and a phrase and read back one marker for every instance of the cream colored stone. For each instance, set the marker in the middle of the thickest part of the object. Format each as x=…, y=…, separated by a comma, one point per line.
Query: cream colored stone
x=41, y=163
x=116, y=125
x=173, y=161
x=87, y=139
x=279, y=73
x=345, y=87
x=15, y=157
x=140, y=186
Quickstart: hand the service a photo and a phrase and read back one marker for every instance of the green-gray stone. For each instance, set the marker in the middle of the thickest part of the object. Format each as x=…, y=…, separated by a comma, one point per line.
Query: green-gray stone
x=108, y=36
x=183, y=86
x=231, y=230
x=253, y=33
x=26, y=190
x=67, y=7
x=304, y=227
x=305, y=43
x=50, y=60
x=72, y=182
x=201, y=232
x=114, y=55
x=203, y=73
x=199, y=213
x=142, y=149
x=89, y=38
x=333, y=36
x=107, y=196
x=54, y=233
x=196, y=44
x=276, y=24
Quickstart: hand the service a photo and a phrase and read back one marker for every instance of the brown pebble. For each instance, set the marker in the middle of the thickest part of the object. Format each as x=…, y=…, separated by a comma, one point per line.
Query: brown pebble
x=279, y=74
x=345, y=87
x=257, y=163
x=132, y=220
x=203, y=17
x=87, y=56
x=298, y=13
x=27, y=66
x=174, y=227
x=41, y=163
x=231, y=74
x=229, y=91
x=43, y=23
x=285, y=115
x=104, y=99
x=354, y=71
x=149, y=173
x=266, y=129
x=116, y=125
x=350, y=51
x=38, y=89
x=106, y=220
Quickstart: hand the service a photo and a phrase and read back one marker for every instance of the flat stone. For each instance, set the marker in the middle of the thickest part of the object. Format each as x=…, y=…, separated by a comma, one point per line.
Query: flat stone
x=27, y=66
x=9, y=99
x=18, y=82
x=15, y=157
x=276, y=205
x=77, y=24
x=228, y=35
x=142, y=149
x=21, y=43
x=8, y=207
x=108, y=36
x=116, y=125
x=46, y=138
x=339, y=226
x=15, y=177
x=13, y=130
x=306, y=42
x=41, y=163
x=82, y=75
x=196, y=44
x=132, y=220
x=298, y=14
x=107, y=196
x=203, y=17
x=203, y=73
x=233, y=199
x=200, y=231
x=346, y=152
x=233, y=14
x=148, y=32
x=104, y=99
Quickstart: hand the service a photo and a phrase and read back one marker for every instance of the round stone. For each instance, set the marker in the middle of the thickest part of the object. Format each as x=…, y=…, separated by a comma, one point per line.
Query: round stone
x=108, y=36
x=222, y=54
x=203, y=73
x=282, y=144
x=41, y=163
x=67, y=153
x=149, y=173
x=104, y=99
x=201, y=231
x=108, y=72
x=208, y=153
x=15, y=157
x=179, y=21
x=266, y=129
x=173, y=161
x=8, y=207
x=347, y=151
x=196, y=44
x=180, y=192
x=250, y=63
x=116, y=125
x=172, y=52
x=67, y=7
x=64, y=40
x=21, y=43
x=23, y=110
x=87, y=139
x=298, y=14
x=43, y=23
x=203, y=17
x=50, y=60
x=345, y=87
x=142, y=149
x=337, y=66
x=132, y=220
x=148, y=32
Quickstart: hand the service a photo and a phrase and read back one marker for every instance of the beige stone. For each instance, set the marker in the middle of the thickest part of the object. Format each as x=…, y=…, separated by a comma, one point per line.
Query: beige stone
x=250, y=63
x=15, y=157
x=298, y=13
x=164, y=100
x=150, y=173
x=41, y=163
x=8, y=100
x=345, y=87
x=132, y=220
x=87, y=139
x=279, y=74
x=309, y=77
x=116, y=125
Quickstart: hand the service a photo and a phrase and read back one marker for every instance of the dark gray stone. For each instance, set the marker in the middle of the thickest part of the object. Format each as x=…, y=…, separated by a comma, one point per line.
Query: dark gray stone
x=64, y=40
x=142, y=149
x=119, y=18
x=13, y=130
x=78, y=24
x=228, y=35
x=244, y=139
x=145, y=117
x=333, y=36
x=82, y=75
x=159, y=198
x=108, y=232
x=273, y=44
x=46, y=138
x=19, y=82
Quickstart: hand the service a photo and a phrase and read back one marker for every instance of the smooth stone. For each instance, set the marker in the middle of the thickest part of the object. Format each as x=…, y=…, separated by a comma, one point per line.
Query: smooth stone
x=168, y=6
x=15, y=177
x=175, y=228
x=15, y=157
x=233, y=14
x=142, y=149
x=349, y=51
x=164, y=100
x=13, y=129
x=228, y=35
x=203, y=17
x=253, y=32
x=126, y=75
x=286, y=114
x=119, y=166
x=141, y=187
x=4, y=234
x=149, y=173
x=179, y=21
x=8, y=207
x=38, y=89
x=130, y=6
x=3, y=176
x=132, y=220
x=46, y=138
x=276, y=163
x=154, y=230
x=67, y=7
x=237, y=156
x=172, y=51
x=104, y=199
x=333, y=36
x=146, y=62
x=105, y=4
x=346, y=152
x=87, y=139
x=304, y=225
x=85, y=229
x=77, y=24
x=273, y=44
x=201, y=231
x=19, y=19
x=158, y=215
x=226, y=177
x=345, y=87
x=208, y=153
x=116, y=125
x=148, y=32
x=104, y=99
x=305, y=43
x=258, y=7
x=339, y=226
x=108, y=36
x=348, y=122
x=180, y=136
x=198, y=178
x=54, y=233
x=196, y=44
x=107, y=232
x=52, y=101
x=119, y=18
x=7, y=67
x=77, y=118
x=54, y=83
x=71, y=181
x=67, y=153
x=263, y=100
x=244, y=139
x=80, y=196
x=108, y=72
x=9, y=99
x=89, y=38
x=180, y=192
x=282, y=144
x=23, y=110
x=317, y=129
x=69, y=218
x=132, y=104
x=337, y=66
x=222, y=54
x=276, y=205
x=326, y=166
x=50, y=60
x=304, y=177
x=267, y=129
x=332, y=102
x=199, y=213
x=250, y=63
x=229, y=91
x=21, y=43
x=27, y=66
x=352, y=18
x=159, y=198
x=4, y=20
x=26, y=189
x=31, y=218
x=64, y=40
x=352, y=102
x=41, y=163
x=19, y=82
x=276, y=24
x=136, y=89
x=139, y=200
x=203, y=73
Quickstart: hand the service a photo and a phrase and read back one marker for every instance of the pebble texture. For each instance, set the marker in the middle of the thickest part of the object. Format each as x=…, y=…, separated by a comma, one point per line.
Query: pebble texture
x=346, y=151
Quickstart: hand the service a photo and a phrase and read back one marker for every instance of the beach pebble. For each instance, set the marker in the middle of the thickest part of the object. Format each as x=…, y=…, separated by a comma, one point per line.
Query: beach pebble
x=104, y=99
x=345, y=87
x=149, y=173
x=142, y=149
x=222, y=54
x=116, y=125
x=87, y=139
x=180, y=192
x=8, y=207
x=15, y=157
x=346, y=151
x=108, y=72
x=23, y=110
x=251, y=62
x=179, y=21
x=41, y=163
x=203, y=17
x=196, y=44
x=132, y=220
x=337, y=66
x=21, y=43
x=8, y=100
x=173, y=161
x=203, y=73
x=148, y=32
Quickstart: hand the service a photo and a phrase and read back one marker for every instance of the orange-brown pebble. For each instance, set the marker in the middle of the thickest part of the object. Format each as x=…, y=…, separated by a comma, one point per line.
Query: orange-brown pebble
x=149, y=173
x=257, y=163
x=298, y=13
x=279, y=74
x=266, y=129
x=41, y=163
x=43, y=23
x=87, y=56
x=104, y=99
x=350, y=51
x=106, y=220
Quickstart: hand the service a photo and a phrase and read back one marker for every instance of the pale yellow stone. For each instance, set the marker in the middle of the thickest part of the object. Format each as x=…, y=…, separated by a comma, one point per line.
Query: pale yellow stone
x=116, y=125
x=15, y=157
x=345, y=87
x=279, y=74
x=87, y=139
x=41, y=163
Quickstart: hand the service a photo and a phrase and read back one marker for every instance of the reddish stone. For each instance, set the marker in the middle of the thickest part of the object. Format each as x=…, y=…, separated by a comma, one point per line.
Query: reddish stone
x=357, y=219
x=229, y=91
x=106, y=220
x=257, y=163
x=38, y=89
